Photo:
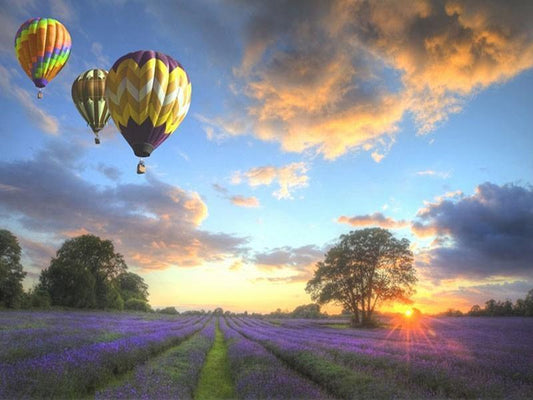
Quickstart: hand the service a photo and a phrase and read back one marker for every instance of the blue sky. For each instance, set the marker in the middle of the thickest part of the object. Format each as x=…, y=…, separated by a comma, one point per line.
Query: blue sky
x=308, y=119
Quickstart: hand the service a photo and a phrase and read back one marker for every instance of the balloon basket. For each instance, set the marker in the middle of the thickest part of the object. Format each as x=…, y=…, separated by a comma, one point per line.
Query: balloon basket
x=39, y=94
x=96, y=140
x=141, y=168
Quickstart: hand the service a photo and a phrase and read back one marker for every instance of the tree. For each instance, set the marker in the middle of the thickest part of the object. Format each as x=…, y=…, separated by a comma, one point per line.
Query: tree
x=83, y=273
x=490, y=307
x=132, y=286
x=528, y=304
x=365, y=268
x=11, y=273
x=307, y=311
x=137, y=305
x=475, y=311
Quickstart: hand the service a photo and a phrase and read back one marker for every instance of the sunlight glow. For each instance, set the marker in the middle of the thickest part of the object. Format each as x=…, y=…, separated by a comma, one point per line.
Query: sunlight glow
x=409, y=312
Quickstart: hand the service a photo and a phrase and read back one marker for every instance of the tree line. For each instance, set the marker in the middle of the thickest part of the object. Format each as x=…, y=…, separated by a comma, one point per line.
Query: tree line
x=85, y=273
x=494, y=308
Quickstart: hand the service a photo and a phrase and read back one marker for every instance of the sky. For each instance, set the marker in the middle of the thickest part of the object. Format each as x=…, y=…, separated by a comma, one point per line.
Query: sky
x=308, y=119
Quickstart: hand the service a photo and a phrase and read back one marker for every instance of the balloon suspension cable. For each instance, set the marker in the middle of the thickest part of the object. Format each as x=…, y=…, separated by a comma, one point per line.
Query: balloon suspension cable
x=40, y=94
x=141, y=168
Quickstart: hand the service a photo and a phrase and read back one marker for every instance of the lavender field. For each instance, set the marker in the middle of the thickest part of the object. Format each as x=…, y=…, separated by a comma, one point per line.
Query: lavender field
x=151, y=356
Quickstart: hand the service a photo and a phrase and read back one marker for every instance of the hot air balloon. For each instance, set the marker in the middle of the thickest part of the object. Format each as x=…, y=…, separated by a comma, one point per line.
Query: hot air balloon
x=148, y=94
x=88, y=95
x=42, y=46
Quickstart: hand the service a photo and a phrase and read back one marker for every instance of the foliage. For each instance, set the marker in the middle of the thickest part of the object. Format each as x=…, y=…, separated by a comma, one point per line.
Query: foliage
x=83, y=274
x=137, y=305
x=168, y=310
x=11, y=273
x=307, y=311
x=493, y=308
x=38, y=298
x=131, y=285
x=365, y=268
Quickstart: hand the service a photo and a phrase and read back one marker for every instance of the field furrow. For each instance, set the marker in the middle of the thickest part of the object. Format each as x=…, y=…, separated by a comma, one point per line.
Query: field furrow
x=258, y=374
x=215, y=380
x=172, y=374
x=77, y=371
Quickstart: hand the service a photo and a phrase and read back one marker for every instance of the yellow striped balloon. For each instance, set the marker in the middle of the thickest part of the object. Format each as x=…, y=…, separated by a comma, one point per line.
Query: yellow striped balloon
x=148, y=95
x=88, y=94
x=42, y=46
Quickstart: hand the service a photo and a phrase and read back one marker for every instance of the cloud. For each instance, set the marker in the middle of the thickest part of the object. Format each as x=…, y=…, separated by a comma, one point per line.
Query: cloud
x=110, y=172
x=38, y=117
x=155, y=225
x=288, y=177
x=13, y=14
x=478, y=294
x=337, y=76
x=98, y=51
x=463, y=296
x=248, y=202
x=38, y=254
x=237, y=200
x=63, y=10
x=296, y=263
x=375, y=219
x=437, y=174
x=489, y=233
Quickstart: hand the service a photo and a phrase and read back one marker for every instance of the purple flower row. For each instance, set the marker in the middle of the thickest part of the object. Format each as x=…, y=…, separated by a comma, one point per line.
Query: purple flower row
x=78, y=371
x=434, y=359
x=258, y=374
x=31, y=334
x=173, y=374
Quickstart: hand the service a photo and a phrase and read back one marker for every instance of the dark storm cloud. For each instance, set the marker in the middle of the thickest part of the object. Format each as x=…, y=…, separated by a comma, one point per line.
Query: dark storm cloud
x=489, y=233
x=154, y=225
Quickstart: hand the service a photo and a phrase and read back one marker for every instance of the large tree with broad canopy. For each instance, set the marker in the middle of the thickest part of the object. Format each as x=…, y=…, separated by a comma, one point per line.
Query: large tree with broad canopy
x=364, y=269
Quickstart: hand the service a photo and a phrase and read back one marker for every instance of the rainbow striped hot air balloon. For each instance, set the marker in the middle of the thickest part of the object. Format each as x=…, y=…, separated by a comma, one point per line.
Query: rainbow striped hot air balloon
x=148, y=95
x=42, y=46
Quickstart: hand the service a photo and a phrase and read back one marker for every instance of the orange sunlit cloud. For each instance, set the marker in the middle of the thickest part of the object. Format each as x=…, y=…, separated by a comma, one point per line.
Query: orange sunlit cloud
x=242, y=201
x=288, y=177
x=308, y=95
x=375, y=219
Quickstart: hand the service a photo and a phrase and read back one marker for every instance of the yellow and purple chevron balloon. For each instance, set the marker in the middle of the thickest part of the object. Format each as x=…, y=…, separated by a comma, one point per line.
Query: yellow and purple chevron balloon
x=148, y=95
x=42, y=46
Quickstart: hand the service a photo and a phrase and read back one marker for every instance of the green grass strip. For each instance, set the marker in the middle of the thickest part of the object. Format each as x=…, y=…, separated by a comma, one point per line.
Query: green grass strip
x=215, y=378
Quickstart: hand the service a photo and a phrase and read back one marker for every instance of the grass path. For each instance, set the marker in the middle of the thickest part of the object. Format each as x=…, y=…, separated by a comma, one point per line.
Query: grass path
x=215, y=378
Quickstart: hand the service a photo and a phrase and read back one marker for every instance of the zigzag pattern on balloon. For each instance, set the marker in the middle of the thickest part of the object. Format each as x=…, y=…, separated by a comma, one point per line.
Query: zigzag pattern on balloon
x=150, y=91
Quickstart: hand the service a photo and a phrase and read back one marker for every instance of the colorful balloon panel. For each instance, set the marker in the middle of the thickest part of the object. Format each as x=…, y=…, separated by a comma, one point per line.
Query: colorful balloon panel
x=88, y=94
x=148, y=94
x=42, y=46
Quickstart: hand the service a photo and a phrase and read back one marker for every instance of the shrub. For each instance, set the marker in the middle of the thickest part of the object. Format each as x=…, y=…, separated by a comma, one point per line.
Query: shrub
x=137, y=305
x=168, y=310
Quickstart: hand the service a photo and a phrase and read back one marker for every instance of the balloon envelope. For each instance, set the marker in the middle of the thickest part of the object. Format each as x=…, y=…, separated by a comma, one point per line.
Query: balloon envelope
x=88, y=91
x=42, y=46
x=148, y=94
